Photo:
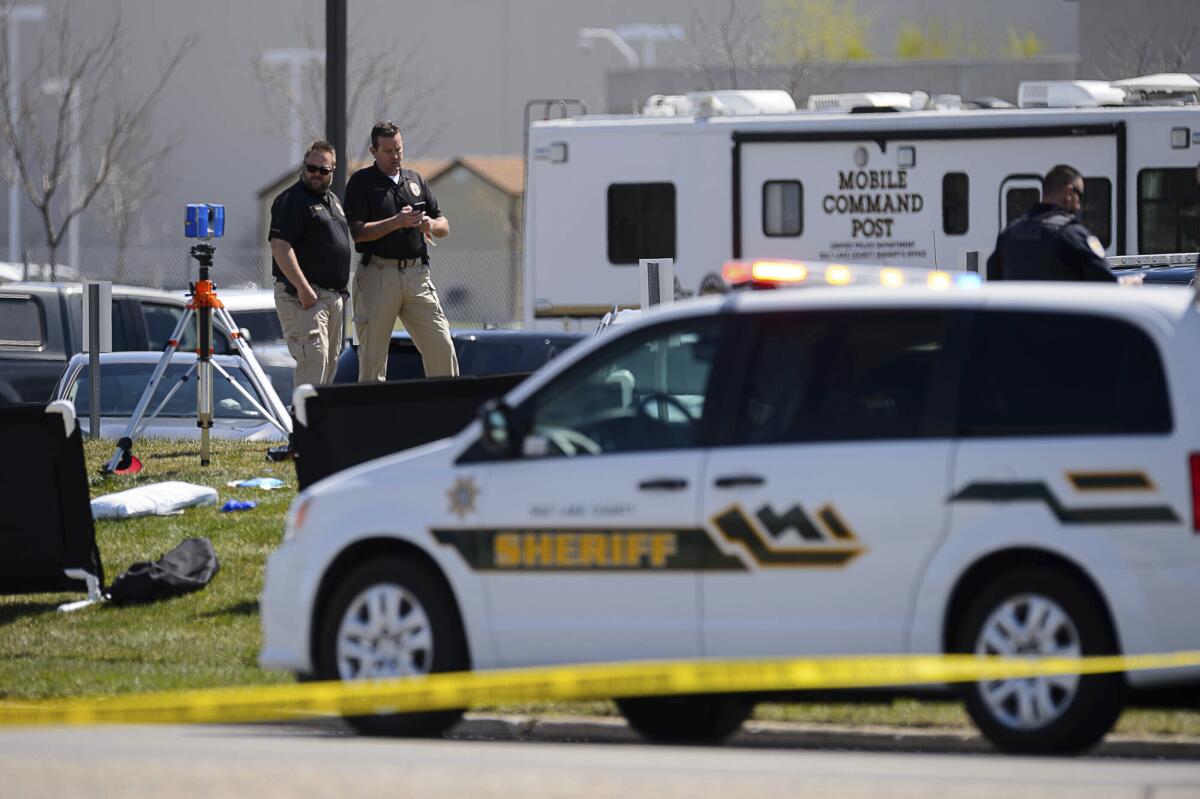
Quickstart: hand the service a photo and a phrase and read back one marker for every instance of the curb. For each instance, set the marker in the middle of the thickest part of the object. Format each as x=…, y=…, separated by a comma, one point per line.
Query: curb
x=794, y=735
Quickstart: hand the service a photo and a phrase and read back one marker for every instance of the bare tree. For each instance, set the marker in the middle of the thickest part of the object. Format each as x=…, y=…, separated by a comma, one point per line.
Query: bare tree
x=384, y=82
x=134, y=181
x=104, y=131
x=727, y=51
x=1131, y=56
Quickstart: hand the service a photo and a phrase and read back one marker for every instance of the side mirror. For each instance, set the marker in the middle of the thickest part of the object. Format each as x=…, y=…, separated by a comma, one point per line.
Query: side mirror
x=494, y=419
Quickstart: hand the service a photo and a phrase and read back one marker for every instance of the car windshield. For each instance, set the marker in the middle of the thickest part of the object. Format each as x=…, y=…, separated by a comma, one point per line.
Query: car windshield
x=122, y=384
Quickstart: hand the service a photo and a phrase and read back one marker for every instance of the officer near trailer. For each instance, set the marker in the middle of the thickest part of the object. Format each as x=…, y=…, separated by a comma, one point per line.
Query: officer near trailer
x=1048, y=242
x=392, y=214
x=310, y=253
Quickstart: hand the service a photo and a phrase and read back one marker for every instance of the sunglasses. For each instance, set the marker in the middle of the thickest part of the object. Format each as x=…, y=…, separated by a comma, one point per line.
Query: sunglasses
x=324, y=170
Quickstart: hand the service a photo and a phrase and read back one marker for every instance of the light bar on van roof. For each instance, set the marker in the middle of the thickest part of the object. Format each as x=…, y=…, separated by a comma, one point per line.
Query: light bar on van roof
x=780, y=273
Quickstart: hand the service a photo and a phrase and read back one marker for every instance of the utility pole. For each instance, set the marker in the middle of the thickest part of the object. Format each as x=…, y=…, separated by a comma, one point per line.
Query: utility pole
x=335, y=88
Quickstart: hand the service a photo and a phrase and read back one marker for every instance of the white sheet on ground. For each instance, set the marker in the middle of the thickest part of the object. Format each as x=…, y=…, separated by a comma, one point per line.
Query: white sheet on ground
x=155, y=499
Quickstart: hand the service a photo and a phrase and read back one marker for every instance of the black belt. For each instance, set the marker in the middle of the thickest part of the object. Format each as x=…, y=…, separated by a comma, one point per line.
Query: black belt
x=290, y=289
x=400, y=263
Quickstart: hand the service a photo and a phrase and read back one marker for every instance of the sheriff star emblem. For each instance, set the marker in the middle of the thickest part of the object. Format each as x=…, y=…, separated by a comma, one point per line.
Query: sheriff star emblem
x=462, y=496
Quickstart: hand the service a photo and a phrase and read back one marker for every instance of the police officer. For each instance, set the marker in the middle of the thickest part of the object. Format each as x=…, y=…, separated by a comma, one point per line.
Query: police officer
x=310, y=252
x=392, y=212
x=1048, y=242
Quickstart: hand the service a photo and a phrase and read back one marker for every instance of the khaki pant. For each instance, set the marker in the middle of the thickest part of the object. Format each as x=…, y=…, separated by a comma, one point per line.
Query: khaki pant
x=382, y=291
x=314, y=336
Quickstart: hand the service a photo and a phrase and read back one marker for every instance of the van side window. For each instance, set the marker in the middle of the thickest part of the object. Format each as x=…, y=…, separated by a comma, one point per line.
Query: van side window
x=1168, y=211
x=1096, y=212
x=1048, y=374
x=783, y=208
x=956, y=209
x=641, y=221
x=842, y=377
x=21, y=322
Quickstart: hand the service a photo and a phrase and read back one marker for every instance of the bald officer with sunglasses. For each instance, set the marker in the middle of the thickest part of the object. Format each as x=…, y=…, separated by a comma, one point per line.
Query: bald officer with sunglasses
x=310, y=249
x=1049, y=242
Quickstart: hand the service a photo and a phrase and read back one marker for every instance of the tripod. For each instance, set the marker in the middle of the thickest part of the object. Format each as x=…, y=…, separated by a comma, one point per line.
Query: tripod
x=207, y=309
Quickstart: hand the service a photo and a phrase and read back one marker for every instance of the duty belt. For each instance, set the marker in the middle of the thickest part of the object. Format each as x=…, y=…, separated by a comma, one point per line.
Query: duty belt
x=403, y=263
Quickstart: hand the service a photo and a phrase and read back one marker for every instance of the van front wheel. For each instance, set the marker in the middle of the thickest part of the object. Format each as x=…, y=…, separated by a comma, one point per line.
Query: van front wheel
x=391, y=618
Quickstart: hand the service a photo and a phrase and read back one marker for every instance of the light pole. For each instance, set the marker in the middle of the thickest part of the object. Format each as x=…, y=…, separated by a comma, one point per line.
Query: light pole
x=295, y=58
x=61, y=86
x=16, y=15
x=587, y=35
x=620, y=37
x=648, y=34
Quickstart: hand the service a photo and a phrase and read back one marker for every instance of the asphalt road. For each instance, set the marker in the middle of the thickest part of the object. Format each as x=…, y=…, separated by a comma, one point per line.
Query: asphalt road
x=565, y=759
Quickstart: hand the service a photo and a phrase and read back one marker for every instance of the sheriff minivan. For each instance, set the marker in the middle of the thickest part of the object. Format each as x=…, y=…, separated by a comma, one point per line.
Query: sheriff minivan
x=1009, y=469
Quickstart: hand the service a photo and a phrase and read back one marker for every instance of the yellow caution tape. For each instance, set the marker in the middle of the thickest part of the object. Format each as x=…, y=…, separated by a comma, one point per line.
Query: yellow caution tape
x=596, y=681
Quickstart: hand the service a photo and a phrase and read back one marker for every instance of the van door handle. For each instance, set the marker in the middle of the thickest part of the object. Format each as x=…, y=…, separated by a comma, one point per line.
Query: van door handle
x=663, y=484
x=737, y=480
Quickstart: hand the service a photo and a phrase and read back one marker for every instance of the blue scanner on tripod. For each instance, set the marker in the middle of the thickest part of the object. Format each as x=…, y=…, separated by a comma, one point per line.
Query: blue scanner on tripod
x=204, y=221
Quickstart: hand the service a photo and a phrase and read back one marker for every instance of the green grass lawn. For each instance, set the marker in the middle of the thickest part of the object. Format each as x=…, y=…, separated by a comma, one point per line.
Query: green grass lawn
x=203, y=639
x=211, y=638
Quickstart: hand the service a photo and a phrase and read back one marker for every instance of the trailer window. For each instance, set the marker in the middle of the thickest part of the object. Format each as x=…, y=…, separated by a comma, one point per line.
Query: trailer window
x=1168, y=211
x=956, y=216
x=1097, y=208
x=1018, y=201
x=641, y=221
x=783, y=208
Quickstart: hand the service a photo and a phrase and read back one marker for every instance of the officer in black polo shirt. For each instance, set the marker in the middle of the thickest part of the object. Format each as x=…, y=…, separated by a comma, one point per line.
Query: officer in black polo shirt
x=1047, y=242
x=392, y=213
x=310, y=249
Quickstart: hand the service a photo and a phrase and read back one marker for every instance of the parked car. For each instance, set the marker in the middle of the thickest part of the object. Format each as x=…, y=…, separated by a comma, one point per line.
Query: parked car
x=41, y=327
x=480, y=352
x=253, y=311
x=124, y=377
x=997, y=470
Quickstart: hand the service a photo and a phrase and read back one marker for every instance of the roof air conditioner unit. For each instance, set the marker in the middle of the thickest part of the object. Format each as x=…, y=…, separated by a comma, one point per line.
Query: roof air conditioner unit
x=841, y=103
x=667, y=105
x=1068, y=94
x=1163, y=88
x=742, y=102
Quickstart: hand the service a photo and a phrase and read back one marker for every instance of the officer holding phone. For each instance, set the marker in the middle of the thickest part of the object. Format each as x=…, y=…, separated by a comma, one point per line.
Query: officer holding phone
x=392, y=215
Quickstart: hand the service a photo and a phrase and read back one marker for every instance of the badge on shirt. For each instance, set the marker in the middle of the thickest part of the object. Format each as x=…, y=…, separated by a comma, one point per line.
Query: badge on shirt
x=415, y=188
x=1096, y=246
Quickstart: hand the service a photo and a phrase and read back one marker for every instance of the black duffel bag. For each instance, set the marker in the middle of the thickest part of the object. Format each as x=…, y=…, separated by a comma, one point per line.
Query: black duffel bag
x=186, y=568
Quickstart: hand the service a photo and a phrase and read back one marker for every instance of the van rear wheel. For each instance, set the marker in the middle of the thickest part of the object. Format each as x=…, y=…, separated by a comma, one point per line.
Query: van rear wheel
x=1034, y=611
x=686, y=719
x=391, y=618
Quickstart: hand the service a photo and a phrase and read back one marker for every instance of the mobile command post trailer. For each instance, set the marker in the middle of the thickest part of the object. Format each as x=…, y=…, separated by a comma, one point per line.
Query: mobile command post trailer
x=928, y=188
